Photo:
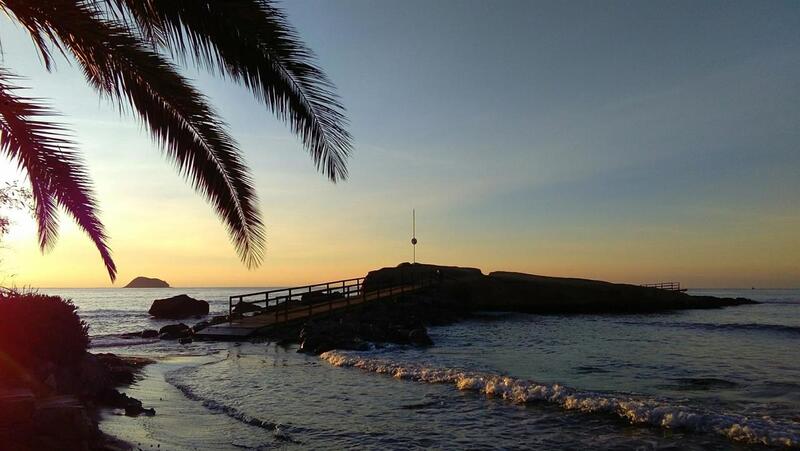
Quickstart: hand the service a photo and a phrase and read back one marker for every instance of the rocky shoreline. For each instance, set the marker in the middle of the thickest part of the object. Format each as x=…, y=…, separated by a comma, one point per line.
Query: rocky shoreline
x=62, y=413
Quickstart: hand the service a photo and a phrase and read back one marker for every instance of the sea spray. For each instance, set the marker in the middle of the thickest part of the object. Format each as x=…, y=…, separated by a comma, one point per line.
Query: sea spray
x=638, y=411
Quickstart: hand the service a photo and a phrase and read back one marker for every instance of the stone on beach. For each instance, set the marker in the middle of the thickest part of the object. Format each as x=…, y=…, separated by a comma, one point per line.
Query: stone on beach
x=180, y=306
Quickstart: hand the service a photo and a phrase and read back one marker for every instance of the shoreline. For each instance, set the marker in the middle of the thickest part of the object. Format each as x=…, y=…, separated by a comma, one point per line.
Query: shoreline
x=173, y=409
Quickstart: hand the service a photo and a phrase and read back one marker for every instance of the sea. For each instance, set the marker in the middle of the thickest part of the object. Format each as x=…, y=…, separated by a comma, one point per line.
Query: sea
x=695, y=380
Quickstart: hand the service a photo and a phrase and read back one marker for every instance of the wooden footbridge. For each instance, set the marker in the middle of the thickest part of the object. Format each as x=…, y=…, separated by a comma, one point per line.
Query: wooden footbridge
x=669, y=286
x=253, y=312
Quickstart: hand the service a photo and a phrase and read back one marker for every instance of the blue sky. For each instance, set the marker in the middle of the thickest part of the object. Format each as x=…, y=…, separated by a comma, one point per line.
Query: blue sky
x=632, y=141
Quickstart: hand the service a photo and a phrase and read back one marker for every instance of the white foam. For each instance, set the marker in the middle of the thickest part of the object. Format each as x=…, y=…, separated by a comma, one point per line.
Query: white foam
x=115, y=340
x=643, y=411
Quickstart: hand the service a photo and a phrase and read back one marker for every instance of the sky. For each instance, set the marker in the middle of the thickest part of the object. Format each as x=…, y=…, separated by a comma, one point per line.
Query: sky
x=626, y=141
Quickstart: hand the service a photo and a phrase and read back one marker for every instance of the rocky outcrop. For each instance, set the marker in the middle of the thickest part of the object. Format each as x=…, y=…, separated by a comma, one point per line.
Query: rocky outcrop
x=180, y=306
x=518, y=292
x=408, y=273
x=540, y=294
x=146, y=282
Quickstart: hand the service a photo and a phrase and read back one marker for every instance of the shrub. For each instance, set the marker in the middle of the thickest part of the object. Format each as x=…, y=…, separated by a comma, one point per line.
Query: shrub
x=36, y=329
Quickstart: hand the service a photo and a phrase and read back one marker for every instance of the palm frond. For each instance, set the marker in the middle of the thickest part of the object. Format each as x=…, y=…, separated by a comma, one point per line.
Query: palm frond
x=57, y=176
x=117, y=63
x=251, y=42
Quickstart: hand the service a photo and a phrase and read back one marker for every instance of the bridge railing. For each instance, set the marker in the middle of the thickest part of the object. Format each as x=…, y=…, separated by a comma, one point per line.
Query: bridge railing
x=326, y=294
x=670, y=286
x=306, y=293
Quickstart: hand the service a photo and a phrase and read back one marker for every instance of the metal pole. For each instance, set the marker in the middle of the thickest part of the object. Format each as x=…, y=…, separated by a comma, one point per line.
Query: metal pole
x=414, y=232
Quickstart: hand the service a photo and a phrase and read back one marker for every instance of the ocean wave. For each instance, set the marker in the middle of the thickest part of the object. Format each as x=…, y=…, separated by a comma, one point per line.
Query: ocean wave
x=751, y=326
x=638, y=411
x=116, y=340
x=781, y=328
x=280, y=432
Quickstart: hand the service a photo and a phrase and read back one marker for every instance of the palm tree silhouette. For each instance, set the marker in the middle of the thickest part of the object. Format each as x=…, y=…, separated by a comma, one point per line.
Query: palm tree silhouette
x=121, y=46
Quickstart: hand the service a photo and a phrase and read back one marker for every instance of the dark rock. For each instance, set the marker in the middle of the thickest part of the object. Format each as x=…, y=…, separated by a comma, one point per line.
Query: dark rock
x=146, y=282
x=180, y=306
x=173, y=328
x=132, y=406
x=174, y=332
x=315, y=345
x=246, y=307
x=314, y=297
x=420, y=337
x=354, y=344
x=468, y=290
x=530, y=293
x=200, y=326
x=218, y=320
x=318, y=344
x=185, y=340
x=149, y=333
x=407, y=273
x=121, y=370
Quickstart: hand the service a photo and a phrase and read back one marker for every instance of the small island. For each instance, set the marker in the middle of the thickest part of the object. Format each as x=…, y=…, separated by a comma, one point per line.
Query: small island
x=146, y=282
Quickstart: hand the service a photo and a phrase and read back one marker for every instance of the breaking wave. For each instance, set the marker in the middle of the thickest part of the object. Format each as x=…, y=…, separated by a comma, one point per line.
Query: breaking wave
x=117, y=340
x=280, y=432
x=636, y=410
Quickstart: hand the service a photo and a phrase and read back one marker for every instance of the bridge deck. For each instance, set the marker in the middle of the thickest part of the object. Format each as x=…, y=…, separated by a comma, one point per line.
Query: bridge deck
x=286, y=313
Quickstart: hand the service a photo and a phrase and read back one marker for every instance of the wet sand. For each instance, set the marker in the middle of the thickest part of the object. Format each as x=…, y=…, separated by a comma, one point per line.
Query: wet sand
x=180, y=423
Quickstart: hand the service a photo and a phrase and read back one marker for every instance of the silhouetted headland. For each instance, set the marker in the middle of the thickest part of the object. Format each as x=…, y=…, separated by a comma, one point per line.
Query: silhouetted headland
x=529, y=293
x=146, y=282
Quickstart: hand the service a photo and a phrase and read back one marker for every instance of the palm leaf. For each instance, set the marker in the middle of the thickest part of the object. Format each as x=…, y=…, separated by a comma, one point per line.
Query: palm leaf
x=120, y=65
x=251, y=42
x=56, y=175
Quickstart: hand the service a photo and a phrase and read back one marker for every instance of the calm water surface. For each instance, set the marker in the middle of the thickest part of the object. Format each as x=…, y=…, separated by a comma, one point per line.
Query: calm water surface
x=703, y=379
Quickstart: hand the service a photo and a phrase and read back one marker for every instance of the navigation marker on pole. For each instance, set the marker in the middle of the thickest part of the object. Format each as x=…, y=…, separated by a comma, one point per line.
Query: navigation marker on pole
x=414, y=233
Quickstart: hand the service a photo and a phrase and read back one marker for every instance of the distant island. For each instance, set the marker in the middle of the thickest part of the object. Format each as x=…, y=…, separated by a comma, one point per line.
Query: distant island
x=147, y=282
